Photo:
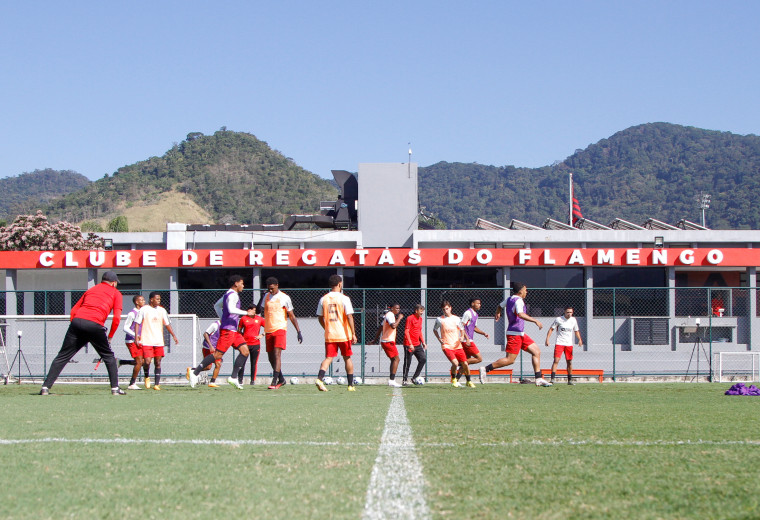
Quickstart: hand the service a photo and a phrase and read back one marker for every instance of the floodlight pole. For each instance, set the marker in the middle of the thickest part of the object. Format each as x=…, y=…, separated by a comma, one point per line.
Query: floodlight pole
x=704, y=203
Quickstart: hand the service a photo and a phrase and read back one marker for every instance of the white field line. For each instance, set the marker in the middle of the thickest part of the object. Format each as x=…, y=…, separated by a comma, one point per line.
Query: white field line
x=266, y=442
x=397, y=486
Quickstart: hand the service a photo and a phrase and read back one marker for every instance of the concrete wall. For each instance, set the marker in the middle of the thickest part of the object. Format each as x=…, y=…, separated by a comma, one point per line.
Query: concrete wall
x=388, y=204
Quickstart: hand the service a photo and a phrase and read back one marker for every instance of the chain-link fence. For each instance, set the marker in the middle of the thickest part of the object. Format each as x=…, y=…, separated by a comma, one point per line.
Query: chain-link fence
x=627, y=332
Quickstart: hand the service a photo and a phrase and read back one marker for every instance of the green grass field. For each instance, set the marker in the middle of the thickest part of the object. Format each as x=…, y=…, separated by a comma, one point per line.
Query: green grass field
x=496, y=451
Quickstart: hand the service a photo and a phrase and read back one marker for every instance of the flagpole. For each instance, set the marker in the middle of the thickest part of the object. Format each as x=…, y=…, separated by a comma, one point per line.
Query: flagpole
x=570, y=214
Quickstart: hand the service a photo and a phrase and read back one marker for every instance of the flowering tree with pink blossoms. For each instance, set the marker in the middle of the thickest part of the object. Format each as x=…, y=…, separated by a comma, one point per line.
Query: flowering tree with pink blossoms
x=36, y=233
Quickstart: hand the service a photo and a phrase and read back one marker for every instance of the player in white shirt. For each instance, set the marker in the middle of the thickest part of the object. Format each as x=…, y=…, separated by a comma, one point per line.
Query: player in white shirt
x=565, y=325
x=149, y=334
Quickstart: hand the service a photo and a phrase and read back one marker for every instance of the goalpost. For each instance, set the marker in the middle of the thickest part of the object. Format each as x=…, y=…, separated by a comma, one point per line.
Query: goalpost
x=738, y=366
x=42, y=336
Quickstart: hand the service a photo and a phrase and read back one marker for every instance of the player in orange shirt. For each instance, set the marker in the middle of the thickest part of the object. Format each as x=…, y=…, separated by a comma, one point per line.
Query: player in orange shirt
x=335, y=314
x=250, y=327
x=450, y=332
x=278, y=307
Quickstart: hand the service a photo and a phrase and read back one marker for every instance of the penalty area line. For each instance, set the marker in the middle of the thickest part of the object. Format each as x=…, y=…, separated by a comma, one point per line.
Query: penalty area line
x=227, y=442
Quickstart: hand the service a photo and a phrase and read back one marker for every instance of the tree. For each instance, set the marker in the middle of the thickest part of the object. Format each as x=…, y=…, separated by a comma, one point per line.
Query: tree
x=91, y=226
x=36, y=233
x=118, y=225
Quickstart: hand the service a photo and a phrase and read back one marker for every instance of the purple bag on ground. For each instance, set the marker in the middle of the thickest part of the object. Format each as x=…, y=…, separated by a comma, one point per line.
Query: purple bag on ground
x=740, y=389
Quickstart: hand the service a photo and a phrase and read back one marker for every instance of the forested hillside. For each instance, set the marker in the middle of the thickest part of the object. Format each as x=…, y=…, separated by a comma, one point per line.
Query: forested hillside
x=654, y=170
x=23, y=193
x=233, y=176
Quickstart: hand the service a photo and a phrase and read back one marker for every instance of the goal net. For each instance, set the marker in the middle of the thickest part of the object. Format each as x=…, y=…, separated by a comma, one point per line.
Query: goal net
x=737, y=366
x=40, y=337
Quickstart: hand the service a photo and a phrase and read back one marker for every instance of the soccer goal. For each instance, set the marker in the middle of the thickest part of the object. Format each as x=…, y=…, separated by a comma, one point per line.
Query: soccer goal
x=738, y=366
x=40, y=337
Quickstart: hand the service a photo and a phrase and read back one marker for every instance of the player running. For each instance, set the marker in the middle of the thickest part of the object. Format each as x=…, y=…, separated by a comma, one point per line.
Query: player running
x=335, y=314
x=250, y=328
x=135, y=350
x=450, y=332
x=414, y=344
x=470, y=322
x=565, y=325
x=278, y=307
x=516, y=337
x=229, y=312
x=149, y=334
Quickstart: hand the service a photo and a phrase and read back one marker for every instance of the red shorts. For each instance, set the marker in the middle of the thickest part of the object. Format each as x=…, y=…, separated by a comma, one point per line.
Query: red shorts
x=472, y=350
x=458, y=354
x=152, y=352
x=206, y=352
x=567, y=350
x=229, y=338
x=332, y=348
x=515, y=343
x=135, y=350
x=277, y=339
x=390, y=349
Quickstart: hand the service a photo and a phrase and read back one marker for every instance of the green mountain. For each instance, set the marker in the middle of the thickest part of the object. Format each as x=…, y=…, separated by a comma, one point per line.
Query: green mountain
x=653, y=170
x=23, y=193
x=233, y=176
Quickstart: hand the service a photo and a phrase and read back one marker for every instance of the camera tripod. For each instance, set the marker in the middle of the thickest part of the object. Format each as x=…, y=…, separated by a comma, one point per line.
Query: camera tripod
x=698, y=346
x=19, y=357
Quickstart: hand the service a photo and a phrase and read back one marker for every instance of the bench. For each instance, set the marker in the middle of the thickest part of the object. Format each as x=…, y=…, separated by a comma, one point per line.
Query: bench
x=576, y=372
x=498, y=372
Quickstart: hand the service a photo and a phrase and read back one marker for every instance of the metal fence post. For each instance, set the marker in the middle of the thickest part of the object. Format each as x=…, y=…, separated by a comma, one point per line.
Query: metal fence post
x=364, y=329
x=614, y=332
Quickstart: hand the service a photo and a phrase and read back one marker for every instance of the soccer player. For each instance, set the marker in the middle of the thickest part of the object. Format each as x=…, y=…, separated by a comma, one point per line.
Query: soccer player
x=335, y=314
x=470, y=322
x=565, y=325
x=250, y=328
x=516, y=337
x=414, y=344
x=210, y=339
x=391, y=321
x=277, y=309
x=450, y=332
x=229, y=311
x=135, y=350
x=88, y=317
x=149, y=334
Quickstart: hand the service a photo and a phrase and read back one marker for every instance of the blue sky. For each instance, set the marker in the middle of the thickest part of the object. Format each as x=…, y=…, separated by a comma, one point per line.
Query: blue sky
x=93, y=86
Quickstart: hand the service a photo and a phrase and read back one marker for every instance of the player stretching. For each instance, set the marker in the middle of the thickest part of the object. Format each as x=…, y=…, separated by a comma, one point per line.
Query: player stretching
x=277, y=309
x=335, y=314
x=450, y=332
x=229, y=311
x=210, y=339
x=470, y=322
x=250, y=328
x=516, y=337
x=135, y=350
x=414, y=344
x=149, y=334
x=565, y=325
x=391, y=320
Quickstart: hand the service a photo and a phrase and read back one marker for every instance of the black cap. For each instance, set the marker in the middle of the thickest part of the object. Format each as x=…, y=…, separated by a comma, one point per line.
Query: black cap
x=109, y=276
